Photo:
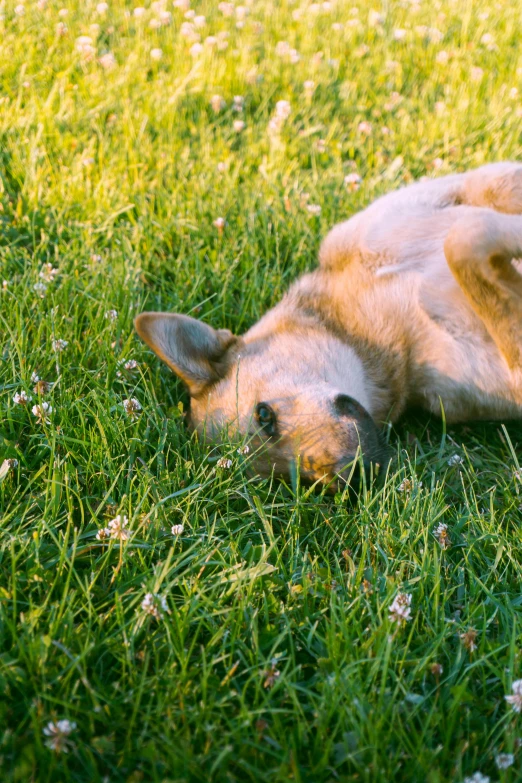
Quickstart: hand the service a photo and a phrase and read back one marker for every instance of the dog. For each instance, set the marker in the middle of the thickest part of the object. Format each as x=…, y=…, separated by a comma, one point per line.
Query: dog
x=417, y=301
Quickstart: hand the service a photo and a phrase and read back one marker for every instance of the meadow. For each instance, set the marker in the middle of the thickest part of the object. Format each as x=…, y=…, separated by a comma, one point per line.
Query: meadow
x=165, y=616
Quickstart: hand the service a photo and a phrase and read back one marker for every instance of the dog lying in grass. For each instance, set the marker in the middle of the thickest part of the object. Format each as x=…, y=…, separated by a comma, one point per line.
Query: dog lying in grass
x=417, y=301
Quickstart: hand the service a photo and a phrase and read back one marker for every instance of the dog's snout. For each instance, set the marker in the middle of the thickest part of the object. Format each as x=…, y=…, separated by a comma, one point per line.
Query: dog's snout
x=346, y=406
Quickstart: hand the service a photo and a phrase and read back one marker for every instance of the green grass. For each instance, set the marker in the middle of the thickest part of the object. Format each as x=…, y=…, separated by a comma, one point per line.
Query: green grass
x=277, y=659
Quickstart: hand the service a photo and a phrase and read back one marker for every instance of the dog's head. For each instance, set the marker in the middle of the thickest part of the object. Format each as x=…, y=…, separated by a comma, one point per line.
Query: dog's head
x=296, y=396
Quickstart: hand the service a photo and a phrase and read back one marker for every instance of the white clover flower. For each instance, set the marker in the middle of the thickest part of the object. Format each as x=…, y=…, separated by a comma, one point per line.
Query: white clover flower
x=102, y=8
x=84, y=47
x=177, y=530
x=188, y=31
x=41, y=411
x=48, y=272
x=58, y=734
x=219, y=223
x=227, y=9
x=477, y=777
x=40, y=289
x=442, y=57
x=117, y=528
x=313, y=209
x=155, y=605
x=7, y=465
x=210, y=40
x=190, y=14
x=353, y=181
x=111, y=315
x=107, y=61
x=244, y=449
x=238, y=103
x=35, y=377
x=21, y=398
x=165, y=18
x=156, y=54
x=139, y=11
x=224, y=463
x=365, y=128
x=283, y=109
x=200, y=21
x=63, y=12
x=282, y=49
x=103, y=534
x=399, y=34
x=455, y=459
x=19, y=9
x=59, y=345
x=400, y=611
x=504, y=760
x=132, y=407
x=476, y=73
x=130, y=365
x=5, y=285
x=87, y=161
x=375, y=18
x=238, y=126
x=61, y=28
x=488, y=41
x=515, y=699
x=196, y=49
x=217, y=103
x=442, y=536
x=183, y=5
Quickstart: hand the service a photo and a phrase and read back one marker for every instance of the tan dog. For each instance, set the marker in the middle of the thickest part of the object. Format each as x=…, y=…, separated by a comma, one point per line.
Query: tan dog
x=417, y=301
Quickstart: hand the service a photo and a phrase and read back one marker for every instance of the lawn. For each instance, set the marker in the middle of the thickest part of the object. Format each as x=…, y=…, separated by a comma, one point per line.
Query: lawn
x=166, y=617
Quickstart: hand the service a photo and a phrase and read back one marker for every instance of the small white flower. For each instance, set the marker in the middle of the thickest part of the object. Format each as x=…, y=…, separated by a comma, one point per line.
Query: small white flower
x=40, y=289
x=400, y=610
x=21, y=398
x=177, y=530
x=504, y=760
x=59, y=345
x=217, y=103
x=117, y=528
x=200, y=21
x=107, y=61
x=442, y=58
x=365, y=128
x=87, y=161
x=139, y=12
x=455, y=459
x=442, y=536
x=61, y=28
x=155, y=605
x=238, y=126
x=84, y=47
x=7, y=465
x=196, y=49
x=313, y=209
x=283, y=109
x=35, y=377
x=219, y=223
x=111, y=315
x=516, y=697
x=103, y=534
x=102, y=8
x=477, y=777
x=156, y=54
x=477, y=73
x=353, y=181
x=183, y=5
x=58, y=734
x=399, y=34
x=19, y=9
x=131, y=365
x=5, y=285
x=132, y=407
x=227, y=9
x=63, y=12
x=309, y=87
x=48, y=272
x=375, y=18
x=41, y=411
x=244, y=449
x=224, y=463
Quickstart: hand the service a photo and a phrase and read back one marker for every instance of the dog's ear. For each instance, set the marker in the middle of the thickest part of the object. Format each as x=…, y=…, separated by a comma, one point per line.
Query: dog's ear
x=195, y=351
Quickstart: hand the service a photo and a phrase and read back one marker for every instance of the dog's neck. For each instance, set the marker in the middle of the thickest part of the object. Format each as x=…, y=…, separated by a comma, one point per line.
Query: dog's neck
x=374, y=373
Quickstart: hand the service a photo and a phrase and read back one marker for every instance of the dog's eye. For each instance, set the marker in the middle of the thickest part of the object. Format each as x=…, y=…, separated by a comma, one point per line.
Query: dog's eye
x=266, y=418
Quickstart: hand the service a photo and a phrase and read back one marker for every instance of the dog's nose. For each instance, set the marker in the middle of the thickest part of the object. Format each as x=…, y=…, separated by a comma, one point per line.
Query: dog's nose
x=346, y=406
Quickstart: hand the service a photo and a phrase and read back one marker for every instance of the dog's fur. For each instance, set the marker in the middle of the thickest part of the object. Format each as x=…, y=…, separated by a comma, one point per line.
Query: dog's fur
x=417, y=301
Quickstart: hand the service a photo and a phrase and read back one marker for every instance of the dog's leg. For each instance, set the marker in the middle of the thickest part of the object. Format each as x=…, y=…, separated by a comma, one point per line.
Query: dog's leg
x=497, y=185
x=480, y=249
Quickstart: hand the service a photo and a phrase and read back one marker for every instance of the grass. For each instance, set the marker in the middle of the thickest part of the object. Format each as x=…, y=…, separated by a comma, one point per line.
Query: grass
x=277, y=659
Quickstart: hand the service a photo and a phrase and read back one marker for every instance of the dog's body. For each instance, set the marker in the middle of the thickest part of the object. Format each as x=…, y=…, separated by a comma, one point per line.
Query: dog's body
x=417, y=301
